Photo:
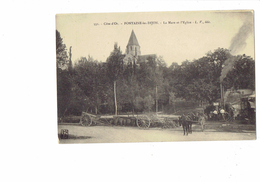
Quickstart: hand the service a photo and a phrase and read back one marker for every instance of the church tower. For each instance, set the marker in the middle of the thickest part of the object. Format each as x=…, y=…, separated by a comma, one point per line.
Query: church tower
x=133, y=47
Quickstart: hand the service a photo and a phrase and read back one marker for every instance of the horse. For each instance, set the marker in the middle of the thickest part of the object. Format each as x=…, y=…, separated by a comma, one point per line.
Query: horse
x=186, y=124
x=190, y=119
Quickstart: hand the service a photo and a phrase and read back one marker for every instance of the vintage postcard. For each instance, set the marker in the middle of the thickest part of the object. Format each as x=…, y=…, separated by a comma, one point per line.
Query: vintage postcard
x=156, y=76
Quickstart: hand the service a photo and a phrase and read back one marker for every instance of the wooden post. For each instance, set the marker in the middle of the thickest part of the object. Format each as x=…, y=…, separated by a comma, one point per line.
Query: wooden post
x=70, y=63
x=156, y=100
x=115, y=97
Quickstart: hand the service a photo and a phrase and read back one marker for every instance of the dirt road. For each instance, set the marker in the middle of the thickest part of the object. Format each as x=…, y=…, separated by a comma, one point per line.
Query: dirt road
x=119, y=134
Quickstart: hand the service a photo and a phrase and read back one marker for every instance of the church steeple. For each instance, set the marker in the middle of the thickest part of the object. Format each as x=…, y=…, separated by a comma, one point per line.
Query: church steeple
x=133, y=46
x=133, y=40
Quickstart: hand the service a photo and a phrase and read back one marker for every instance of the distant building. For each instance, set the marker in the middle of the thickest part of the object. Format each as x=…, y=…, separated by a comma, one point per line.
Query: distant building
x=133, y=47
x=240, y=99
x=241, y=93
x=133, y=51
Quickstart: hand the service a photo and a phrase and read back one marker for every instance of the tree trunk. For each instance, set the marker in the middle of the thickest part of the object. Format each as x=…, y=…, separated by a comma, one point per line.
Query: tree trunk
x=115, y=97
x=96, y=110
x=70, y=63
x=96, y=107
x=156, y=100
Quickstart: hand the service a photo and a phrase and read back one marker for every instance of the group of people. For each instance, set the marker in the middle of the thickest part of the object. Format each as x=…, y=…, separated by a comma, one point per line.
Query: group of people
x=219, y=113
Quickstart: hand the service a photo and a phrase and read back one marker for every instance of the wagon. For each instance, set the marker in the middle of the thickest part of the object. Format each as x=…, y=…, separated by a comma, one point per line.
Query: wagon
x=139, y=120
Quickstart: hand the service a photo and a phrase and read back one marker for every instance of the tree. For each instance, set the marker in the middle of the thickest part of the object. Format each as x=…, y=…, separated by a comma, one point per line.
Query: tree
x=90, y=76
x=63, y=77
x=148, y=103
x=78, y=102
x=61, y=53
x=115, y=69
x=199, y=80
x=63, y=91
x=70, y=62
x=139, y=103
x=242, y=75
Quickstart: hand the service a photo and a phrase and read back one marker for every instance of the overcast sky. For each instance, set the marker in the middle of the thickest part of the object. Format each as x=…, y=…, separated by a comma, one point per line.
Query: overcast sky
x=202, y=32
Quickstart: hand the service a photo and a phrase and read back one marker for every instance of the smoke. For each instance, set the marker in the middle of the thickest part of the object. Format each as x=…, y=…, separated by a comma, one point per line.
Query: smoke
x=238, y=43
x=228, y=65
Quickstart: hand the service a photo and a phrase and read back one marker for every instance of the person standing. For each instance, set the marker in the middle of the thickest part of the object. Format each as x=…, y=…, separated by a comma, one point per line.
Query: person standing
x=222, y=112
x=215, y=112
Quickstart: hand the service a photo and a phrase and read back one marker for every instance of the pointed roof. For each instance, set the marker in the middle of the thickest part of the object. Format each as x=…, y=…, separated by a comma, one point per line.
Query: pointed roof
x=132, y=39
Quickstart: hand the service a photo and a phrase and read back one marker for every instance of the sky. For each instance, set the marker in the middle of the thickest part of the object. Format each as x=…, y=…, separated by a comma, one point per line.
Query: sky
x=176, y=36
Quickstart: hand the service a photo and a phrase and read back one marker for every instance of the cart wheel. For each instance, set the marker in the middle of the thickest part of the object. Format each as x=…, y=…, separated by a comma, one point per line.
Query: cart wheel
x=166, y=123
x=143, y=122
x=85, y=120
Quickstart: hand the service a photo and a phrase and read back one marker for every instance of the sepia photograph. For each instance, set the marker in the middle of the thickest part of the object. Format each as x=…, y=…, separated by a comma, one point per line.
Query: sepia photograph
x=129, y=91
x=155, y=76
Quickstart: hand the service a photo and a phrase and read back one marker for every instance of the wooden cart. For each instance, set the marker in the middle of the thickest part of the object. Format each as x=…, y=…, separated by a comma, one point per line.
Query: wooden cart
x=140, y=120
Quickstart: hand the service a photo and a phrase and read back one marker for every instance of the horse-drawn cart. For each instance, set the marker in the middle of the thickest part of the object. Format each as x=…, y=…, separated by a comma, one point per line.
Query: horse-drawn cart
x=140, y=120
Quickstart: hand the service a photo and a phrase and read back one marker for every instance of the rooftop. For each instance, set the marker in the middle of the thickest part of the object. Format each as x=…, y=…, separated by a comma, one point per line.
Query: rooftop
x=133, y=39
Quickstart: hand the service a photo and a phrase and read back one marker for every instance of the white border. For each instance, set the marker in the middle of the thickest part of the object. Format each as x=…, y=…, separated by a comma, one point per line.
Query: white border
x=29, y=145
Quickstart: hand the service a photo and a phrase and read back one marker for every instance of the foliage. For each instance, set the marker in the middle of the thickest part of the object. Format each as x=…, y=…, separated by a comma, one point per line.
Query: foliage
x=63, y=78
x=199, y=80
x=115, y=69
x=63, y=91
x=90, y=77
x=242, y=75
x=61, y=54
x=89, y=85
x=115, y=63
x=148, y=103
x=139, y=103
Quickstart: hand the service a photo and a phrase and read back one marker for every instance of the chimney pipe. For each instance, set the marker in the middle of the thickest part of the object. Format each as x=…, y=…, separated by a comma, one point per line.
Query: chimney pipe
x=221, y=93
x=222, y=101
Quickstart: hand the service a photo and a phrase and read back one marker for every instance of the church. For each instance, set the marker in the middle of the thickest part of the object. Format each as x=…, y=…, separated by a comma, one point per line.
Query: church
x=133, y=51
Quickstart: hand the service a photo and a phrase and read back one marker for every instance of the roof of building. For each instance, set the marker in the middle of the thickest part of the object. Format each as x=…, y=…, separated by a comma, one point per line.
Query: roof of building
x=133, y=39
x=145, y=57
